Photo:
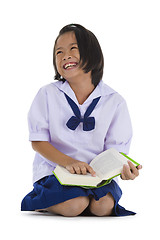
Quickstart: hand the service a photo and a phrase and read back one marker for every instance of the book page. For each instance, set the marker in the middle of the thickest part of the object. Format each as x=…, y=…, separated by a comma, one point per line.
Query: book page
x=108, y=162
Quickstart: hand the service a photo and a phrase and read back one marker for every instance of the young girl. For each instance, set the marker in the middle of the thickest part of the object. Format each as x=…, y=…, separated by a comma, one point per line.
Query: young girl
x=70, y=122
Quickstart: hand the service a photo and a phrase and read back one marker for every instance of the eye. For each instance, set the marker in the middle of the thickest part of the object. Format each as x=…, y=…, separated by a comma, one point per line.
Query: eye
x=58, y=52
x=74, y=48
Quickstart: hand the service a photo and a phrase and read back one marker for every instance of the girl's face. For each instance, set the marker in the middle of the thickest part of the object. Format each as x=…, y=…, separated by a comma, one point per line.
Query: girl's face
x=67, y=56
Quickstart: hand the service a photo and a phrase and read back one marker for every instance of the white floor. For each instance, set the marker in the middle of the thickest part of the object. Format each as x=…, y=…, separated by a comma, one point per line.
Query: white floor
x=44, y=226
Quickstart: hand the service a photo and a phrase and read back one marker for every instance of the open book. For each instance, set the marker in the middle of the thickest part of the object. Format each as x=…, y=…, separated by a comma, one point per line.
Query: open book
x=107, y=165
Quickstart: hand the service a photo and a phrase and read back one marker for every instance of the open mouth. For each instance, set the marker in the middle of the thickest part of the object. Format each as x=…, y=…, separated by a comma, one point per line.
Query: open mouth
x=70, y=65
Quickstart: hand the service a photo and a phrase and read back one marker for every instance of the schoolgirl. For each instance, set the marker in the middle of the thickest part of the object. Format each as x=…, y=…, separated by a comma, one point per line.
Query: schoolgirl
x=70, y=122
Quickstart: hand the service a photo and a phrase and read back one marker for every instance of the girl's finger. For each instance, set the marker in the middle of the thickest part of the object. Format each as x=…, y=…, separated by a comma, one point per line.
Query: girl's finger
x=139, y=167
x=77, y=169
x=123, y=176
x=127, y=173
x=133, y=169
x=91, y=171
x=70, y=169
x=83, y=170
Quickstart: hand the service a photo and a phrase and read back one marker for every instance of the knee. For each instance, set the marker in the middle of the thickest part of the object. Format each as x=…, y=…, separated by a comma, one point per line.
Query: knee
x=75, y=207
x=70, y=208
x=103, y=207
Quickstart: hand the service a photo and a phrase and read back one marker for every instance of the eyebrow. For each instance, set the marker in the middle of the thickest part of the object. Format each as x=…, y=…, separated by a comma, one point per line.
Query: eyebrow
x=69, y=45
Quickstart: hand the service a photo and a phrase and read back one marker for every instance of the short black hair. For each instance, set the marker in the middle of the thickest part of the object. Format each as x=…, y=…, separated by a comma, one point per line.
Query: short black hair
x=91, y=55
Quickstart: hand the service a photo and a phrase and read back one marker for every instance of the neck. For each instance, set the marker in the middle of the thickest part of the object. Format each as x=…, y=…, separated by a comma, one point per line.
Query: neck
x=82, y=88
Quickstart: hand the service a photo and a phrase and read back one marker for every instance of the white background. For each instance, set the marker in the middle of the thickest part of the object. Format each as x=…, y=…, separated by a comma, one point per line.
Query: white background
x=129, y=34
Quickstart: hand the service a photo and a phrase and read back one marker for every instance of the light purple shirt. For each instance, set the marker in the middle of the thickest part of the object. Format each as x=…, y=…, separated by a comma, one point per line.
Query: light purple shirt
x=50, y=112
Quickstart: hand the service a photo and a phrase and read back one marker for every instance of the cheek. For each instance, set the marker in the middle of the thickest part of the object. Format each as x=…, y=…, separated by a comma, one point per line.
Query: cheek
x=77, y=55
x=58, y=64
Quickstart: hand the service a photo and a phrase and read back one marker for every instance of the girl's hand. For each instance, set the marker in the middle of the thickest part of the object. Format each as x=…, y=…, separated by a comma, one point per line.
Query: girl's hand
x=130, y=172
x=79, y=167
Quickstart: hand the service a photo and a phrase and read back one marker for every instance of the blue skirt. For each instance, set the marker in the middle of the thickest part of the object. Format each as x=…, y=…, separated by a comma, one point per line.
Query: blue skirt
x=48, y=192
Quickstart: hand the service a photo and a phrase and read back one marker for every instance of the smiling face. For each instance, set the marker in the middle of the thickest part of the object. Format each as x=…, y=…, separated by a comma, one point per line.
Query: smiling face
x=67, y=56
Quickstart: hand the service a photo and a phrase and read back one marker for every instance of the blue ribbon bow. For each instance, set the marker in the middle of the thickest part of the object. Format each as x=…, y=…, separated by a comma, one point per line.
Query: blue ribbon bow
x=74, y=121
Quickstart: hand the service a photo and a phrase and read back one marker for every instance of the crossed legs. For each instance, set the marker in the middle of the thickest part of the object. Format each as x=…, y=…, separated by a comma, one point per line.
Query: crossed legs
x=75, y=206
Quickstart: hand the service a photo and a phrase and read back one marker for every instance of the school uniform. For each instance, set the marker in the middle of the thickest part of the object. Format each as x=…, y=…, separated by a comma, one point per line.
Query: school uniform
x=79, y=131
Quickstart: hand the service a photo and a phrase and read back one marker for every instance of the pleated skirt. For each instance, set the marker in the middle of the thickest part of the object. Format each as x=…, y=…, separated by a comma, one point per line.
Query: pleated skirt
x=48, y=192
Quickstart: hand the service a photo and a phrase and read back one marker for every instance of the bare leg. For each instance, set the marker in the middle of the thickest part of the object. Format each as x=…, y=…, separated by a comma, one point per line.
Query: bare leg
x=70, y=208
x=103, y=207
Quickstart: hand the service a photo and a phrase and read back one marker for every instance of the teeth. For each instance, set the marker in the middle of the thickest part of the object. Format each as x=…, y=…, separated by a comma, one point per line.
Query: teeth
x=69, y=65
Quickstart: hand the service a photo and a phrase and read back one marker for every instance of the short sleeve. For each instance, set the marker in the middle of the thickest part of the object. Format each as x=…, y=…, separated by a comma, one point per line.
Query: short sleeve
x=120, y=131
x=38, y=122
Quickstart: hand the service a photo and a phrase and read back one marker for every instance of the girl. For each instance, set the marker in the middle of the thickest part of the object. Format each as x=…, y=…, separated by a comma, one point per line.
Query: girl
x=70, y=122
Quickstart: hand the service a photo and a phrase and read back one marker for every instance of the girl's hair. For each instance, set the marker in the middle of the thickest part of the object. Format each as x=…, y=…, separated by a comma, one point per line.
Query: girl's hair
x=91, y=56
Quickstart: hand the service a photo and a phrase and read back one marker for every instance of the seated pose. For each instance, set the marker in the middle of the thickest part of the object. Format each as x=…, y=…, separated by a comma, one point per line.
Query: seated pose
x=70, y=122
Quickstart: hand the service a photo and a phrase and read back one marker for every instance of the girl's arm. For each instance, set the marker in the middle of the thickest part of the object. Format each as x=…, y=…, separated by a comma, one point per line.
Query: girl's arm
x=51, y=153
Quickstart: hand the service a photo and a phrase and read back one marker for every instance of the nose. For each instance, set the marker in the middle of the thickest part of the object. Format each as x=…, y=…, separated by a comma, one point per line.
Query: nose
x=66, y=56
